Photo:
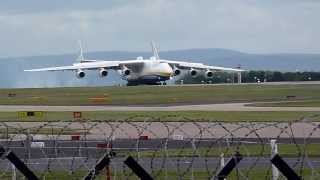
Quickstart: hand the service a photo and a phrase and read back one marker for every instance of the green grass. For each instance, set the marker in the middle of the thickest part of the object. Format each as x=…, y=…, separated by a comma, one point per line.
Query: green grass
x=286, y=150
x=163, y=95
x=213, y=116
x=157, y=95
x=245, y=173
x=44, y=131
x=305, y=103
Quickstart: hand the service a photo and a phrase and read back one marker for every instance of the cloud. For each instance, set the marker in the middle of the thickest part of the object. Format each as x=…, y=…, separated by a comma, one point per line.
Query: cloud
x=250, y=26
x=39, y=6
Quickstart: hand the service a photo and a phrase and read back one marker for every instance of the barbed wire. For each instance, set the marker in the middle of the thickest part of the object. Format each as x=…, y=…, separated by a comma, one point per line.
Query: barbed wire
x=188, y=149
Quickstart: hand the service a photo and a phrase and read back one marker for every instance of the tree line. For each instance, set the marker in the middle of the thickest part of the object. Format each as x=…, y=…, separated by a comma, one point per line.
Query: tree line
x=250, y=77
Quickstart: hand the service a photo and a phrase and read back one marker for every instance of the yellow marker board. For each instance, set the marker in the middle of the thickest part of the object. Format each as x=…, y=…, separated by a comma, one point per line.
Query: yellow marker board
x=26, y=114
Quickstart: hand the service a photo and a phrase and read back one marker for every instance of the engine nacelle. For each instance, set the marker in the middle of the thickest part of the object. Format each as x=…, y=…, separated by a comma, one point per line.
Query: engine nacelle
x=209, y=74
x=193, y=73
x=126, y=72
x=103, y=73
x=176, y=72
x=80, y=74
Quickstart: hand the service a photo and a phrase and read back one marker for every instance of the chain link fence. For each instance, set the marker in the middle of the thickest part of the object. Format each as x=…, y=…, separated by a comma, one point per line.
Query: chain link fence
x=165, y=150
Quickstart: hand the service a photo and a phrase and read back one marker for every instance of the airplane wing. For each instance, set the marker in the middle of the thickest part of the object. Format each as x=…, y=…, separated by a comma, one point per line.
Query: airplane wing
x=90, y=65
x=76, y=66
x=200, y=66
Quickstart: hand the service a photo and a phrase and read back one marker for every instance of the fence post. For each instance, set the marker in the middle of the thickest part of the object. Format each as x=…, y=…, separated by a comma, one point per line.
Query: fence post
x=167, y=155
x=222, y=164
x=194, y=147
x=14, y=174
x=274, y=150
x=28, y=145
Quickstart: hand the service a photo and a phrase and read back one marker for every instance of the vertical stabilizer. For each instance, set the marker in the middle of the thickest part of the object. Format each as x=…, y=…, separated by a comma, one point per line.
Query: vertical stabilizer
x=155, y=51
x=80, y=57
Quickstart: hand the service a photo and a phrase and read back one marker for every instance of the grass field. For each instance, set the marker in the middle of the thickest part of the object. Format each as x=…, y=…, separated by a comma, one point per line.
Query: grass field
x=244, y=173
x=213, y=116
x=285, y=150
x=159, y=95
x=295, y=95
x=44, y=131
x=301, y=103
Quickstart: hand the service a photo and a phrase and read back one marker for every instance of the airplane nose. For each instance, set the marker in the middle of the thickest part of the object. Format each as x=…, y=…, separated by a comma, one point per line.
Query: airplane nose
x=164, y=69
x=169, y=70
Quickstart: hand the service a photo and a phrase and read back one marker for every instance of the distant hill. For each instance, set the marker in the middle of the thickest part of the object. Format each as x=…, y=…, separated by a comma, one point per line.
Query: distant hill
x=13, y=76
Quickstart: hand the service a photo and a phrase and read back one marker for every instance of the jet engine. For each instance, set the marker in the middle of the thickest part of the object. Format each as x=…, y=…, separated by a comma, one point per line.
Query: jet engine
x=126, y=71
x=103, y=72
x=209, y=74
x=193, y=73
x=80, y=74
x=176, y=71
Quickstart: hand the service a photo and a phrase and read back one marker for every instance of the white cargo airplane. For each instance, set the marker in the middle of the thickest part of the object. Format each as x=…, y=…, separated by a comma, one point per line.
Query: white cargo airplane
x=140, y=71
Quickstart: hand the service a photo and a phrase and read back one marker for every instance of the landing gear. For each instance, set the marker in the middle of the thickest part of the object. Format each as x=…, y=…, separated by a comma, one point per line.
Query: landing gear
x=163, y=83
x=136, y=83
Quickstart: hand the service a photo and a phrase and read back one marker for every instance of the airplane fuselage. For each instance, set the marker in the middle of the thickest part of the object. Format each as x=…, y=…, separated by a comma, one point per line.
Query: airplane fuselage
x=150, y=72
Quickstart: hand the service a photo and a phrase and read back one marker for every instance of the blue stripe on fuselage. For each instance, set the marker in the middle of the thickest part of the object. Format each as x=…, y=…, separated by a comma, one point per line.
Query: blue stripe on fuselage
x=150, y=79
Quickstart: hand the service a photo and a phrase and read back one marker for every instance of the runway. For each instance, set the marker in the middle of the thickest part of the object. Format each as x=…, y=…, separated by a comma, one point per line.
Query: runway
x=201, y=107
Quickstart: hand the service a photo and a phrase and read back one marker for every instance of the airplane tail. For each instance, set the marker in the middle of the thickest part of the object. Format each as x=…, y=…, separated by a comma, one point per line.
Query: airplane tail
x=155, y=51
x=80, y=57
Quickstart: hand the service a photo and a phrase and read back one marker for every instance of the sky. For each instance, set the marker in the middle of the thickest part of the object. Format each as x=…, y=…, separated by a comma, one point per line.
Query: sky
x=41, y=27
